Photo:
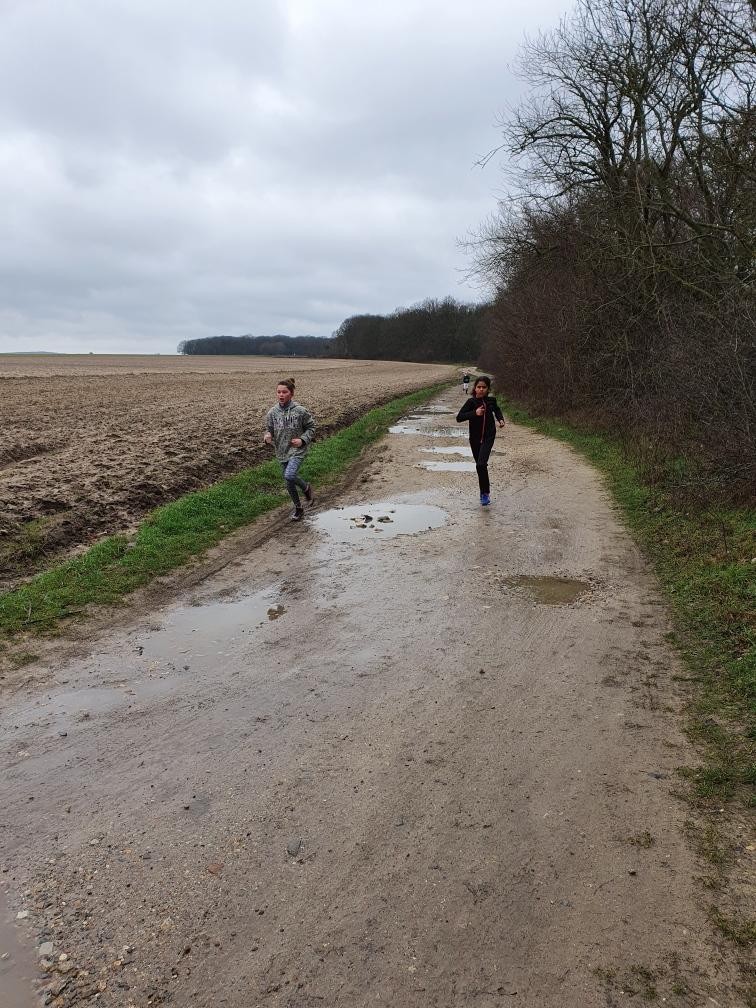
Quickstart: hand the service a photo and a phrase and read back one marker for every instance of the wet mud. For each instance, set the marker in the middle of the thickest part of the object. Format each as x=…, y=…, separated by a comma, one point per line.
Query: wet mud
x=401, y=749
x=19, y=973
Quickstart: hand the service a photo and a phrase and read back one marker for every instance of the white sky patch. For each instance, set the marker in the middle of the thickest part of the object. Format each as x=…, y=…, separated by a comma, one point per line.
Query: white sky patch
x=181, y=169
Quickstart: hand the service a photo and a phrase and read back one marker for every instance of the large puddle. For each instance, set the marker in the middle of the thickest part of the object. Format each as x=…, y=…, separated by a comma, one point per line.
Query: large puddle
x=222, y=620
x=386, y=519
x=185, y=641
x=549, y=590
x=445, y=432
x=449, y=466
x=18, y=970
x=447, y=450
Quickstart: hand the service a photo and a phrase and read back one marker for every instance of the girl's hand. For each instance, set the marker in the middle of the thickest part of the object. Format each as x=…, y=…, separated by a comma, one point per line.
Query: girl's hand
x=501, y=423
x=297, y=442
x=480, y=410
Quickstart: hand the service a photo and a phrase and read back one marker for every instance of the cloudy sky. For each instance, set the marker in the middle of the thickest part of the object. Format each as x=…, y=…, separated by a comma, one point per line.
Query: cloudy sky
x=179, y=168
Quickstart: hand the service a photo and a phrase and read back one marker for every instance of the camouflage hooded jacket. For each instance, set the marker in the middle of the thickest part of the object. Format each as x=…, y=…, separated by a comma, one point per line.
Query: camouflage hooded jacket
x=287, y=422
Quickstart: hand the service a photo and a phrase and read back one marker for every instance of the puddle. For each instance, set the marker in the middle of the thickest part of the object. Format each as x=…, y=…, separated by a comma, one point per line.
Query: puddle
x=447, y=432
x=219, y=620
x=192, y=640
x=437, y=411
x=447, y=450
x=69, y=709
x=549, y=590
x=18, y=970
x=385, y=520
x=449, y=466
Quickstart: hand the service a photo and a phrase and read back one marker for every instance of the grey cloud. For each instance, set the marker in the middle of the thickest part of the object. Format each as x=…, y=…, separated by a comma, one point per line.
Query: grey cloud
x=174, y=170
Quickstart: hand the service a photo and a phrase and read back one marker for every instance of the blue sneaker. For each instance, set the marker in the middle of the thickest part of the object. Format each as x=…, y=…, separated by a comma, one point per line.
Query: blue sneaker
x=485, y=499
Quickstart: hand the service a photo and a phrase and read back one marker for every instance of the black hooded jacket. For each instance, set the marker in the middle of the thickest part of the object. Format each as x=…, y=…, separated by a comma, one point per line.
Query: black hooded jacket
x=482, y=428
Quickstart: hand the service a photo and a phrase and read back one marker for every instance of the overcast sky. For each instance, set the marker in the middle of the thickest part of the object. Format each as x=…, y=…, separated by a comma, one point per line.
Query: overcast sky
x=175, y=168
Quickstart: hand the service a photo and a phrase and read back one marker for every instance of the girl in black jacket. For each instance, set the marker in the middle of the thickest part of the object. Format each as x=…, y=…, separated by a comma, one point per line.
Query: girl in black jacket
x=483, y=413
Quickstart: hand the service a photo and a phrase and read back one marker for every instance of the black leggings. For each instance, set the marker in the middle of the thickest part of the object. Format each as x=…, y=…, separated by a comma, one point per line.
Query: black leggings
x=481, y=450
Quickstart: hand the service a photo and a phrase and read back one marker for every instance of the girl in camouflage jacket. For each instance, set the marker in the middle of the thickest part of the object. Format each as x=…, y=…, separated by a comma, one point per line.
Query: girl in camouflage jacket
x=290, y=428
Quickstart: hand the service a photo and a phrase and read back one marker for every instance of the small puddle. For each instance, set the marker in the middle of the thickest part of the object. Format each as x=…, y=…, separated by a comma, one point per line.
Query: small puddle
x=549, y=590
x=449, y=466
x=447, y=432
x=220, y=620
x=387, y=520
x=18, y=970
x=66, y=710
x=447, y=450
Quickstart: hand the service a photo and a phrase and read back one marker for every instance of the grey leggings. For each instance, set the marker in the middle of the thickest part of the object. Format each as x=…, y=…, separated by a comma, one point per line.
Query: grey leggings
x=290, y=469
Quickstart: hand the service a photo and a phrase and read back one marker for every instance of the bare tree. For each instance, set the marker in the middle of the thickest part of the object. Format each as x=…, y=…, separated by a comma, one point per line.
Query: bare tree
x=634, y=221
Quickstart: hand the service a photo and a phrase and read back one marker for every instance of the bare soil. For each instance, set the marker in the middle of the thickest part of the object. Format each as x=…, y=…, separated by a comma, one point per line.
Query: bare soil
x=354, y=768
x=89, y=444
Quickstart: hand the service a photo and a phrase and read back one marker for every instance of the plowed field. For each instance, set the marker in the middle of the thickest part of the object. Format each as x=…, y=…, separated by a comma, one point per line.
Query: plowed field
x=89, y=444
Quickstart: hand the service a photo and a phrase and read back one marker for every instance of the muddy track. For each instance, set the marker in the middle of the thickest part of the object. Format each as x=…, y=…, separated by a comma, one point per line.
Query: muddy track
x=426, y=757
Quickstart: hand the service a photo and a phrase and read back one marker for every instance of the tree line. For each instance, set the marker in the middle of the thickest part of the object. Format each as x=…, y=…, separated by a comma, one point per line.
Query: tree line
x=622, y=266
x=430, y=331
x=433, y=330
x=265, y=346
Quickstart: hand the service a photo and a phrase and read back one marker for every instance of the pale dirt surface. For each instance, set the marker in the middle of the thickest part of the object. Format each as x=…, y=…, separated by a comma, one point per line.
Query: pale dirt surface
x=89, y=444
x=377, y=771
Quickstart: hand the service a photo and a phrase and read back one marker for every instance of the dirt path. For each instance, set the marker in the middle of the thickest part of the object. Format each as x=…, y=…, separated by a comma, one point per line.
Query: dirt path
x=366, y=768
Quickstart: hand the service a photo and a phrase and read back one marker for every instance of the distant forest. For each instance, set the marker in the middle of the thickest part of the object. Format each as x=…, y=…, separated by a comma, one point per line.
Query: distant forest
x=263, y=346
x=437, y=331
x=430, y=331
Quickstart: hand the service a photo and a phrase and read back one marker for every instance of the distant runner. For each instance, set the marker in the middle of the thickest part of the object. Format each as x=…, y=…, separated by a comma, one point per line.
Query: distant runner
x=290, y=428
x=465, y=383
x=480, y=411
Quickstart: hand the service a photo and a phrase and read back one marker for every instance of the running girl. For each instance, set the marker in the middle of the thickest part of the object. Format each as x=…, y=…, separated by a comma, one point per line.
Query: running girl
x=482, y=412
x=290, y=429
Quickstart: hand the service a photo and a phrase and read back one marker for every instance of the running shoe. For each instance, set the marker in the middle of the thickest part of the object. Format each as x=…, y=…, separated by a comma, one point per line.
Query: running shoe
x=297, y=514
x=309, y=495
x=485, y=499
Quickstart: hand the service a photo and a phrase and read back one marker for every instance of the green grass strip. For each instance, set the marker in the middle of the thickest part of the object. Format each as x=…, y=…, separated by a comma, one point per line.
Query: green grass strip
x=175, y=533
x=704, y=561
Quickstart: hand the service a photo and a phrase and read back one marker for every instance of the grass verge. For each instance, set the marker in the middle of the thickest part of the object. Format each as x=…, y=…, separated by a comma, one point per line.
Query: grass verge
x=704, y=559
x=175, y=533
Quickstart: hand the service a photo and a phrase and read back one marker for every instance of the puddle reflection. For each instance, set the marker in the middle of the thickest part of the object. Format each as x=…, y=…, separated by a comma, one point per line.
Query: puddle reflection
x=447, y=450
x=219, y=619
x=191, y=641
x=387, y=518
x=445, y=432
x=17, y=967
x=449, y=466
x=549, y=590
